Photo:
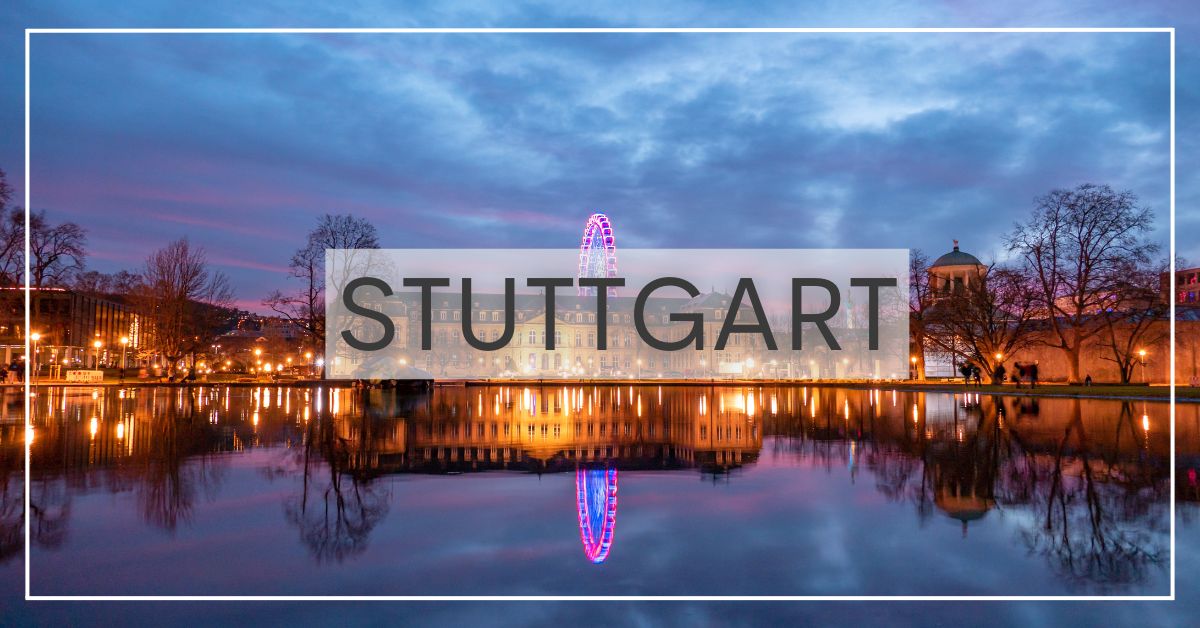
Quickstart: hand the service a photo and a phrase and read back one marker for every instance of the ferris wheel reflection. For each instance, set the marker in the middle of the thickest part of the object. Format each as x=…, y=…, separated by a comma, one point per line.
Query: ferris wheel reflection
x=596, y=498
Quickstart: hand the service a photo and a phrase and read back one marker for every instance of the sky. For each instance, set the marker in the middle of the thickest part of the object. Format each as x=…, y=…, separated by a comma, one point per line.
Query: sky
x=453, y=141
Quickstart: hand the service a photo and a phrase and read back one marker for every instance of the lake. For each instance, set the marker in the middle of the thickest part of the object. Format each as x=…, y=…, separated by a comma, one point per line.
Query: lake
x=594, y=490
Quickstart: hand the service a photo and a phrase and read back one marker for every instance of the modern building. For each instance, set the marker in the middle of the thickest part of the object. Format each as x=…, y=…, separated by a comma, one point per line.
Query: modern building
x=68, y=325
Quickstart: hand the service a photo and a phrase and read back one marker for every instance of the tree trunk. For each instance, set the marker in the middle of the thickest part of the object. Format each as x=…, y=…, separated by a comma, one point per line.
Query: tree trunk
x=918, y=366
x=1073, y=363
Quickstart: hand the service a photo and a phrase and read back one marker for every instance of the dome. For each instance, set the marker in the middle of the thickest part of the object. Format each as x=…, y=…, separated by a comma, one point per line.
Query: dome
x=956, y=258
x=963, y=507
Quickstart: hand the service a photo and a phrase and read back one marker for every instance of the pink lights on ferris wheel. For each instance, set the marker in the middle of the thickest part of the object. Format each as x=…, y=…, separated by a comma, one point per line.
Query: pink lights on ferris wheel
x=597, y=252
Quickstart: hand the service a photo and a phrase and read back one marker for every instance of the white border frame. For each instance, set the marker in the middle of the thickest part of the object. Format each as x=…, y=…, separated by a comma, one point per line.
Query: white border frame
x=628, y=598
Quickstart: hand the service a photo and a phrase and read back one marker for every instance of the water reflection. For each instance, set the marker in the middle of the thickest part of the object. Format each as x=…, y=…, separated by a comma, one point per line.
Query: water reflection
x=337, y=506
x=596, y=498
x=1083, y=482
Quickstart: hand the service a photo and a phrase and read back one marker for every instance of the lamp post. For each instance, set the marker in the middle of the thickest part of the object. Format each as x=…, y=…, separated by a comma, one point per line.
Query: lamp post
x=33, y=365
x=912, y=359
x=124, y=346
x=97, y=344
x=1142, y=359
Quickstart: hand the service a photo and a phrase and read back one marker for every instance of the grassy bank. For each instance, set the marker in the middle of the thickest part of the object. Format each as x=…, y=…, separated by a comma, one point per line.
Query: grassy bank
x=1115, y=391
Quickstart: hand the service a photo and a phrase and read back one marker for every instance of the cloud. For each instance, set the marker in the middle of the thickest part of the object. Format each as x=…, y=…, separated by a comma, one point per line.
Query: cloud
x=509, y=140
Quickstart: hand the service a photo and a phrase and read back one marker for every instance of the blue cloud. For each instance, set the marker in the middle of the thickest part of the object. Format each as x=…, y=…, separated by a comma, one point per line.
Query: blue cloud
x=507, y=140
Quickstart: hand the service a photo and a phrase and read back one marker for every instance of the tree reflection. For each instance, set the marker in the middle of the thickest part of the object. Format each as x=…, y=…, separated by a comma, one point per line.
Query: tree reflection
x=11, y=505
x=177, y=467
x=1096, y=515
x=1097, y=501
x=337, y=507
x=50, y=510
x=12, y=495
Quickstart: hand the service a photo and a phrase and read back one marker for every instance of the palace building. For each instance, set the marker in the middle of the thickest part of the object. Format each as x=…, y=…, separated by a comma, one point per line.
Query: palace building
x=956, y=270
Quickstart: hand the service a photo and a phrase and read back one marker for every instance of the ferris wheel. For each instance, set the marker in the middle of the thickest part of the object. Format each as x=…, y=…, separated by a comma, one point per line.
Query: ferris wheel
x=596, y=499
x=597, y=252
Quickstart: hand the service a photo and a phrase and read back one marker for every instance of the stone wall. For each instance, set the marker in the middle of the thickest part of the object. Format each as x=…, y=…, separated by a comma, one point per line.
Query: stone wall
x=1096, y=359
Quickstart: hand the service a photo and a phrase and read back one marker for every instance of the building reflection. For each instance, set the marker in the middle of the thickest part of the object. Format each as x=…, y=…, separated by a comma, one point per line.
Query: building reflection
x=1089, y=477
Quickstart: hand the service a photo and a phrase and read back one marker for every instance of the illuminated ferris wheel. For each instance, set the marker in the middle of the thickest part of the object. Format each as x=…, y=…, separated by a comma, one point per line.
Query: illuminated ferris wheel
x=596, y=497
x=597, y=252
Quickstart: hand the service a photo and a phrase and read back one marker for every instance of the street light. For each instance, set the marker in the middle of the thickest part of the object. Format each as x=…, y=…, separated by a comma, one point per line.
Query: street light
x=124, y=346
x=34, y=337
x=97, y=344
x=1142, y=359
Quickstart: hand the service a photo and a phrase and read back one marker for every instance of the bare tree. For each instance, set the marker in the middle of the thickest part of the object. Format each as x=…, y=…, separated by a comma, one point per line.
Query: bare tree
x=1133, y=317
x=1075, y=247
x=182, y=300
x=5, y=189
x=95, y=282
x=56, y=252
x=919, y=301
x=306, y=307
x=989, y=319
x=12, y=236
x=12, y=261
x=56, y=255
x=12, y=246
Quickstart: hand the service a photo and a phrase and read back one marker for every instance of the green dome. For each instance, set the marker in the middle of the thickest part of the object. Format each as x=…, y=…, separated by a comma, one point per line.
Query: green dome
x=956, y=258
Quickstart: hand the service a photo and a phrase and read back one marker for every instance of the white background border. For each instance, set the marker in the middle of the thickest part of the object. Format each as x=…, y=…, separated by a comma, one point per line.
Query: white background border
x=120, y=31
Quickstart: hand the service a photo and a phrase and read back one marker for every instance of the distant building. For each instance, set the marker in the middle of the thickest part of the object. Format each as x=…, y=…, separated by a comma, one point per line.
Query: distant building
x=576, y=346
x=954, y=272
x=1187, y=286
x=68, y=323
x=951, y=273
x=949, y=277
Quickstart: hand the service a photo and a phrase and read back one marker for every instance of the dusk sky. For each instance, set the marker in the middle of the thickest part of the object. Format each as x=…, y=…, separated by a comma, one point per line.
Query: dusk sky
x=727, y=141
